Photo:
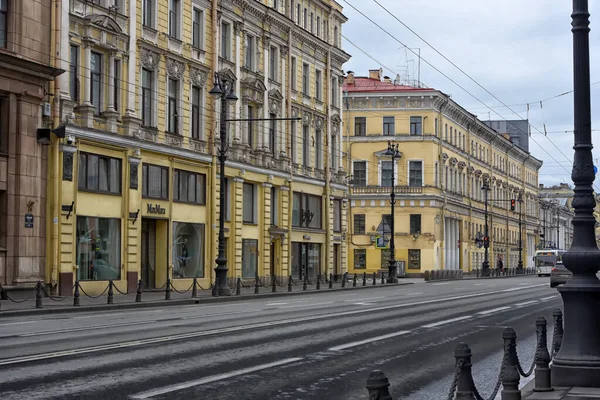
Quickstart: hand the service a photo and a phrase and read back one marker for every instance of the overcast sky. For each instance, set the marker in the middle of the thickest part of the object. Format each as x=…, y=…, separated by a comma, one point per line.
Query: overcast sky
x=519, y=50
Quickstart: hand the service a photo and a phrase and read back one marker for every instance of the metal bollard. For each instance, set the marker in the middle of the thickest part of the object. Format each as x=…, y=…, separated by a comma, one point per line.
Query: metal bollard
x=382, y=278
x=138, y=294
x=374, y=278
x=557, y=336
x=354, y=280
x=273, y=284
x=76, y=295
x=111, y=293
x=290, y=285
x=3, y=294
x=364, y=279
x=510, y=376
x=543, y=381
x=377, y=385
x=256, y=285
x=344, y=279
x=330, y=281
x=304, y=282
x=215, y=288
x=465, y=387
x=38, y=294
x=319, y=282
x=238, y=287
x=168, y=290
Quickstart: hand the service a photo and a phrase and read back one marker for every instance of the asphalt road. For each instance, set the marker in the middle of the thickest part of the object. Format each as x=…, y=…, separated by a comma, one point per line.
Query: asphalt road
x=317, y=346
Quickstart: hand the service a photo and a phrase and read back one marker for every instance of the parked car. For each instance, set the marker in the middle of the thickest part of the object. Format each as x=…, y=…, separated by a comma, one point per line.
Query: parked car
x=559, y=275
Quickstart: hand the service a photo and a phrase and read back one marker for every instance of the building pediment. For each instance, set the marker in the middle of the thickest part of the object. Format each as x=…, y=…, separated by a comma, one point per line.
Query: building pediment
x=227, y=75
x=275, y=94
x=254, y=84
x=104, y=21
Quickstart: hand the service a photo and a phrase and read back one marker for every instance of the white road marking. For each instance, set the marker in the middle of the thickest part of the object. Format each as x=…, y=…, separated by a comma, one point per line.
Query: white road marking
x=305, y=305
x=20, y=323
x=447, y=321
x=493, y=284
x=211, y=379
x=367, y=299
x=526, y=303
x=523, y=284
x=414, y=294
x=367, y=341
x=364, y=304
x=441, y=283
x=548, y=298
x=478, y=284
x=493, y=310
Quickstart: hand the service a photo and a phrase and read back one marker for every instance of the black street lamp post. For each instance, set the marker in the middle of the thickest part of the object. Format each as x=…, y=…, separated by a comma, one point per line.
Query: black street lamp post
x=224, y=91
x=578, y=360
x=392, y=151
x=485, y=268
x=520, y=263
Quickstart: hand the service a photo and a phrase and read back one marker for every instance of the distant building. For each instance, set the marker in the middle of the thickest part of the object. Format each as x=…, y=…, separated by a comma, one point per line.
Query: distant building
x=517, y=131
x=556, y=215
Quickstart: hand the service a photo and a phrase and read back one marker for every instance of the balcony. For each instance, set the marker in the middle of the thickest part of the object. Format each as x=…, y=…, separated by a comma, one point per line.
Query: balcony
x=387, y=190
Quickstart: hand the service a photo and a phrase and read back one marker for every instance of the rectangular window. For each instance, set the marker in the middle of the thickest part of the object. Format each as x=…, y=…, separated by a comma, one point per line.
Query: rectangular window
x=318, y=26
x=306, y=260
x=227, y=200
x=415, y=173
x=360, y=258
x=298, y=12
x=334, y=152
x=296, y=208
x=273, y=133
x=359, y=224
x=360, y=126
x=415, y=224
x=117, y=85
x=250, y=52
x=188, y=250
x=359, y=170
x=73, y=73
x=273, y=73
x=319, y=85
x=147, y=97
x=337, y=215
x=274, y=206
x=225, y=40
x=294, y=127
x=250, y=127
x=249, y=258
x=414, y=259
x=196, y=103
x=174, y=19
x=306, y=79
x=312, y=23
x=99, y=173
x=319, y=149
x=198, y=29
x=387, y=172
x=306, y=145
x=436, y=174
x=173, y=112
x=155, y=182
x=305, y=18
x=389, y=128
x=189, y=187
x=3, y=22
x=249, y=211
x=98, y=249
x=149, y=13
x=334, y=92
x=96, y=80
x=435, y=127
x=306, y=211
x=416, y=125
x=294, y=73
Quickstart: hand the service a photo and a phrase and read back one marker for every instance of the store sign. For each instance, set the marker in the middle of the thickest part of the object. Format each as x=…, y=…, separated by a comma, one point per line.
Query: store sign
x=29, y=220
x=156, y=209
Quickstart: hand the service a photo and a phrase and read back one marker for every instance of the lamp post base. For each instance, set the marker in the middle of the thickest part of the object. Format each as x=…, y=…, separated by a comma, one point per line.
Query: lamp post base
x=222, y=286
x=485, y=268
x=578, y=361
x=392, y=278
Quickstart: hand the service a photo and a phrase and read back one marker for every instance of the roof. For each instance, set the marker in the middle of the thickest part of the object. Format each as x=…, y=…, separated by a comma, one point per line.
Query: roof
x=364, y=84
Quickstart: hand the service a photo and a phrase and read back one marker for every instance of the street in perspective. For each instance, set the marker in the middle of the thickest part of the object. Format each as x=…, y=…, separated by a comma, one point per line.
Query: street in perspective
x=299, y=199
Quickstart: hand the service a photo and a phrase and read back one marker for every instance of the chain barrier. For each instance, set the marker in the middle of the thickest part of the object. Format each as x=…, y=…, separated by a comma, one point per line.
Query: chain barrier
x=459, y=365
x=183, y=291
x=530, y=370
x=124, y=293
x=498, y=383
x=53, y=298
x=7, y=297
x=94, y=297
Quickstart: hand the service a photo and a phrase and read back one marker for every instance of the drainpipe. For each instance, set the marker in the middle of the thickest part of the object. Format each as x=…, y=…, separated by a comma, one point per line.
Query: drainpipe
x=291, y=166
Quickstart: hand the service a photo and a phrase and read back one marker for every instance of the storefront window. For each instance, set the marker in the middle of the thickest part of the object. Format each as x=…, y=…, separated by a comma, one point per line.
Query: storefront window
x=306, y=259
x=188, y=250
x=249, y=257
x=98, y=248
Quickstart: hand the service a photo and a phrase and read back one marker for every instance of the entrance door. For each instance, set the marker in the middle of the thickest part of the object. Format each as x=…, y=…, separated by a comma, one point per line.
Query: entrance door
x=148, y=259
x=336, y=262
x=272, y=261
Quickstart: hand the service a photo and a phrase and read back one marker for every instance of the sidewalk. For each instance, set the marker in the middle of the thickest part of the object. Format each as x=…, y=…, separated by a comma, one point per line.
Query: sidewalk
x=24, y=302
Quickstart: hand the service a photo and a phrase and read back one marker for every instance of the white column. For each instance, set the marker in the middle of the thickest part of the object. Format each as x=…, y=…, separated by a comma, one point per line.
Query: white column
x=237, y=130
x=87, y=93
x=132, y=81
x=110, y=103
x=265, y=132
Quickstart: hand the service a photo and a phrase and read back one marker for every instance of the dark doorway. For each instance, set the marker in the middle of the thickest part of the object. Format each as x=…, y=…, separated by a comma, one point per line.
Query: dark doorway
x=336, y=261
x=148, y=252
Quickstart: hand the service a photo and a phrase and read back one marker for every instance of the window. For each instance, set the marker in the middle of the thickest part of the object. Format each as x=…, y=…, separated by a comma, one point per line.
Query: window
x=196, y=124
x=306, y=211
x=360, y=258
x=360, y=126
x=98, y=249
x=188, y=250
x=312, y=23
x=249, y=211
x=225, y=40
x=174, y=19
x=319, y=149
x=73, y=73
x=148, y=18
x=415, y=173
x=334, y=92
x=250, y=126
x=415, y=224
x=414, y=259
x=173, y=114
x=274, y=206
x=3, y=22
x=189, y=187
x=319, y=85
x=117, y=85
x=147, y=97
x=305, y=18
x=388, y=126
x=273, y=73
x=387, y=173
x=436, y=127
x=416, y=126
x=306, y=79
x=359, y=171
x=197, y=29
x=436, y=174
x=99, y=173
x=96, y=80
x=298, y=11
x=293, y=150
x=294, y=73
x=155, y=182
x=306, y=260
x=273, y=133
x=250, y=52
x=318, y=26
x=337, y=215
x=359, y=224
x=334, y=152
x=249, y=258
x=306, y=146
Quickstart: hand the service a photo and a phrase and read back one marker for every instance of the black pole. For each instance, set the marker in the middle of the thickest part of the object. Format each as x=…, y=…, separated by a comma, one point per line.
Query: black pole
x=520, y=263
x=485, y=268
x=557, y=227
x=578, y=361
x=392, y=278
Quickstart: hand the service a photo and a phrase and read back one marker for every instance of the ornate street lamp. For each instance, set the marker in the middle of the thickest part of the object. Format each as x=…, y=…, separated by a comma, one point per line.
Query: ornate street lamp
x=392, y=151
x=223, y=90
x=578, y=361
x=485, y=268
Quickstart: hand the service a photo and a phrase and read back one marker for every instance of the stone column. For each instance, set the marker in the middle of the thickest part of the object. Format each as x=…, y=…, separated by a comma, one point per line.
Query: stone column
x=86, y=108
x=111, y=113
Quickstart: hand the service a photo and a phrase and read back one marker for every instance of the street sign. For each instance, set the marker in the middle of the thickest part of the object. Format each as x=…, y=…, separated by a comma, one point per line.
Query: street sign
x=595, y=170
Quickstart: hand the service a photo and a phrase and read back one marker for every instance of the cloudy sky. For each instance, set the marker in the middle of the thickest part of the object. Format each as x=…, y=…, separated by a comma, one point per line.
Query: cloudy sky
x=519, y=50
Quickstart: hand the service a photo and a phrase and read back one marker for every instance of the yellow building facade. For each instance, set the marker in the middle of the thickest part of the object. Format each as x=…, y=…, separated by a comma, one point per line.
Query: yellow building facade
x=446, y=155
x=134, y=188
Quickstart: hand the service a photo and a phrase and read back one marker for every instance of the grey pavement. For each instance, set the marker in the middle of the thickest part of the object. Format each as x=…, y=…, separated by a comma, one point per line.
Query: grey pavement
x=322, y=345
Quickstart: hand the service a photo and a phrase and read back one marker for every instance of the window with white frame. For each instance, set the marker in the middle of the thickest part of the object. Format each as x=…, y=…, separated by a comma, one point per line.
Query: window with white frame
x=312, y=22
x=293, y=133
x=172, y=106
x=336, y=39
x=273, y=64
x=147, y=97
x=274, y=206
x=226, y=40
x=298, y=13
x=250, y=197
x=174, y=19
x=74, y=73
x=389, y=128
x=319, y=149
x=319, y=85
x=96, y=80
x=415, y=173
x=334, y=152
x=306, y=145
x=306, y=79
x=250, y=52
x=416, y=126
x=3, y=22
x=294, y=73
x=359, y=173
x=148, y=13
x=196, y=112
x=334, y=92
x=305, y=18
x=198, y=29
x=318, y=26
x=386, y=173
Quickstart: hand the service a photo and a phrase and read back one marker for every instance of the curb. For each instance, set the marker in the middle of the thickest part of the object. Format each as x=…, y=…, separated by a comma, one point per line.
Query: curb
x=467, y=278
x=188, y=301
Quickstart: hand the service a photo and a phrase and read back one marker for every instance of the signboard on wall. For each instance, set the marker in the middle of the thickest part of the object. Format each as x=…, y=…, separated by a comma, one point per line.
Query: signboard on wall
x=29, y=220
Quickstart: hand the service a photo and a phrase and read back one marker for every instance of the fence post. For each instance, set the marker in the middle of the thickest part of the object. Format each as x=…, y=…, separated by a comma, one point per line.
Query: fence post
x=38, y=294
x=256, y=285
x=273, y=284
x=382, y=278
x=319, y=282
x=377, y=385
x=215, y=288
x=543, y=382
x=290, y=285
x=330, y=281
x=138, y=295
x=354, y=280
x=304, y=282
x=364, y=279
x=168, y=290
x=463, y=384
x=344, y=277
x=3, y=295
x=558, y=331
x=111, y=293
x=238, y=286
x=76, y=295
x=374, y=278
x=510, y=376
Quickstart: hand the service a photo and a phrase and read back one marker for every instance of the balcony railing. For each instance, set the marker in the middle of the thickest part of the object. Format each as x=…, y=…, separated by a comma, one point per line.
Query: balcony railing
x=387, y=190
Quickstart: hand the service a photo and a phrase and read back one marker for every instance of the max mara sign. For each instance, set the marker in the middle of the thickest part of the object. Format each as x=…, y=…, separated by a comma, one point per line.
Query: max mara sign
x=155, y=209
